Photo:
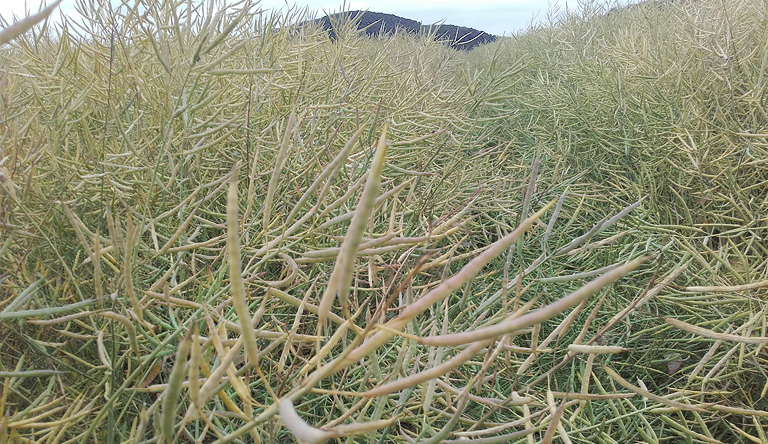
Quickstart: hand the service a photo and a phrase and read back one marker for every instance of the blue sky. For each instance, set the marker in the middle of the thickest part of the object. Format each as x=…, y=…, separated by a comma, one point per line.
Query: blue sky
x=493, y=16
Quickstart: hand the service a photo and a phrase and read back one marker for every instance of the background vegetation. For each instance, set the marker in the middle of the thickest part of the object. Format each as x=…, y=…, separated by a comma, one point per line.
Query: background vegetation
x=377, y=24
x=559, y=235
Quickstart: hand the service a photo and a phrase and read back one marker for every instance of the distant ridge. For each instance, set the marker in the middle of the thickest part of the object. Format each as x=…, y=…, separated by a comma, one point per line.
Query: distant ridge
x=377, y=23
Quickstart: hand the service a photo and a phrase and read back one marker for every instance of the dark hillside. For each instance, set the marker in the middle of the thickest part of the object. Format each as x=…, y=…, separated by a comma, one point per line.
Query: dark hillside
x=377, y=23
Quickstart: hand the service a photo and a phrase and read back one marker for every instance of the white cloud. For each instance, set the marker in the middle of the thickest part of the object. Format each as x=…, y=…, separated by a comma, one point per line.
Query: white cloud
x=494, y=16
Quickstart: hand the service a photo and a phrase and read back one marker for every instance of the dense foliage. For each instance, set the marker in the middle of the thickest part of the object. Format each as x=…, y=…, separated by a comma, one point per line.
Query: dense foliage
x=558, y=235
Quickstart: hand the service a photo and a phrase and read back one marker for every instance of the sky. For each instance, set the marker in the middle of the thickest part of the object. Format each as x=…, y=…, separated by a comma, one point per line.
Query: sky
x=493, y=16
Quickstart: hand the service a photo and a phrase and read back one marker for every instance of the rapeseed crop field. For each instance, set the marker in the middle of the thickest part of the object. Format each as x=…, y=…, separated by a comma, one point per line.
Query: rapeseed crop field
x=218, y=225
